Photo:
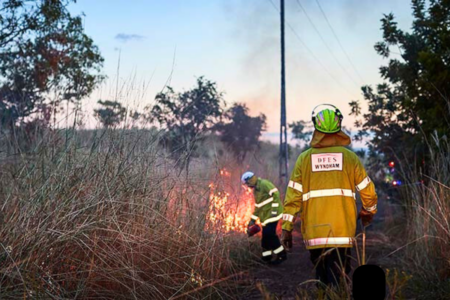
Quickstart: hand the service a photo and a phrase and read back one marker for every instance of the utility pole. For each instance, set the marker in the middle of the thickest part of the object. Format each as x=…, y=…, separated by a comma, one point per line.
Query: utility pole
x=283, y=156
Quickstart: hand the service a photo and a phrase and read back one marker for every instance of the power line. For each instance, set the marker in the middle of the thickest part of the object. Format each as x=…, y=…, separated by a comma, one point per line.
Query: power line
x=312, y=53
x=339, y=42
x=326, y=44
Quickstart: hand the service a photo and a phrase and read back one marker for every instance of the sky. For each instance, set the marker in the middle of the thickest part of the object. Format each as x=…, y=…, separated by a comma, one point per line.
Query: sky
x=236, y=43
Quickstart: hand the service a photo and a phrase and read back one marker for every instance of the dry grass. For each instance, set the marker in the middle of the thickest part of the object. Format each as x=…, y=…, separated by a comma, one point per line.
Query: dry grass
x=427, y=213
x=106, y=215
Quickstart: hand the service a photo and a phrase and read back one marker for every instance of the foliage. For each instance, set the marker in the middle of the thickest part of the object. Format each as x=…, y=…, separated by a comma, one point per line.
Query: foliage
x=408, y=122
x=301, y=130
x=186, y=117
x=412, y=103
x=241, y=132
x=45, y=55
x=111, y=113
x=135, y=116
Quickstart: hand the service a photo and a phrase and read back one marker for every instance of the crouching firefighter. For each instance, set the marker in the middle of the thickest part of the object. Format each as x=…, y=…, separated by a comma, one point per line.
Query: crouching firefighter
x=268, y=210
x=322, y=188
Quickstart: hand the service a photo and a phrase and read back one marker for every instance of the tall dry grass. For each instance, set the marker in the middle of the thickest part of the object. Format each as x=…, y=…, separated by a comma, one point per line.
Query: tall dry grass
x=427, y=212
x=105, y=214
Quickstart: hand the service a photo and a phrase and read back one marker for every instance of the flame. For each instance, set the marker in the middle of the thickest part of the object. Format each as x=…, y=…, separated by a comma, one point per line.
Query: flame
x=224, y=172
x=227, y=212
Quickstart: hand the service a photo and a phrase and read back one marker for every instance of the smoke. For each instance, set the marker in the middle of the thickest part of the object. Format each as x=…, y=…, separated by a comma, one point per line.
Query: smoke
x=256, y=32
x=312, y=74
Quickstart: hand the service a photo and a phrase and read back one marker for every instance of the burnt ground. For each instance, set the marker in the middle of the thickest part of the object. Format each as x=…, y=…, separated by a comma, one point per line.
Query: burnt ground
x=282, y=281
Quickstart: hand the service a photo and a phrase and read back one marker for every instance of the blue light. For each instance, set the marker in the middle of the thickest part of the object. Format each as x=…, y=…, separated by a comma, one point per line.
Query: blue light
x=396, y=182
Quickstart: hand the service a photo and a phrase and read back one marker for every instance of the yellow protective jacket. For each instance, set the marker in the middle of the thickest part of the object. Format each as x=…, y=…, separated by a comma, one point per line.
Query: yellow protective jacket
x=268, y=206
x=322, y=188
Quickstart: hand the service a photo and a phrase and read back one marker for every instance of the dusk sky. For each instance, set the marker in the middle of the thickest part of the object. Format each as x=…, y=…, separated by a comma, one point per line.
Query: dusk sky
x=236, y=44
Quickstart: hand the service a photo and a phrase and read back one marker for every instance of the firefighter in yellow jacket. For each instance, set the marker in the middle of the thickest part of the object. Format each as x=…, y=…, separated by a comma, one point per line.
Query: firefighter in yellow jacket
x=268, y=210
x=322, y=188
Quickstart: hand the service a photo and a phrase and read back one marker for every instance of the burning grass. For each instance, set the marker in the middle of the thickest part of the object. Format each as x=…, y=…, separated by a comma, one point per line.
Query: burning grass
x=228, y=212
x=115, y=220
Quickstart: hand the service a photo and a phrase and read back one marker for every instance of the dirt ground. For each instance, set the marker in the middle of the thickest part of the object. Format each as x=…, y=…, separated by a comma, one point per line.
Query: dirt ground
x=282, y=281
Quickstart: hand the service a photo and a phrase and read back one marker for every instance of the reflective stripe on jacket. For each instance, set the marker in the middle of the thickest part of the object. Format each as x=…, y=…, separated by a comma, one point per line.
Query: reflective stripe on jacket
x=268, y=206
x=323, y=189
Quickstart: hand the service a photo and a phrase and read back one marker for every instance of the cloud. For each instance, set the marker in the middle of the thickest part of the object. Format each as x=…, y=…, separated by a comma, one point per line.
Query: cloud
x=123, y=37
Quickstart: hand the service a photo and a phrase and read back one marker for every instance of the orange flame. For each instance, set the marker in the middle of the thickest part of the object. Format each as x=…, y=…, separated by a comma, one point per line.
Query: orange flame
x=228, y=212
x=224, y=172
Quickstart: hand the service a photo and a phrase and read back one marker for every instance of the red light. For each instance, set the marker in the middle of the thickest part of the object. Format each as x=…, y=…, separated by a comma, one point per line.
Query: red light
x=391, y=164
x=394, y=182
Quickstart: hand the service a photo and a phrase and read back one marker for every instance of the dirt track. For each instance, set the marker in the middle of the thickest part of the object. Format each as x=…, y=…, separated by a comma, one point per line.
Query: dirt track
x=282, y=280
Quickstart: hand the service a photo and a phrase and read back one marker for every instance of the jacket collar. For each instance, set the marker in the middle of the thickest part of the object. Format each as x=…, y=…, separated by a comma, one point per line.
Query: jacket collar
x=258, y=184
x=322, y=140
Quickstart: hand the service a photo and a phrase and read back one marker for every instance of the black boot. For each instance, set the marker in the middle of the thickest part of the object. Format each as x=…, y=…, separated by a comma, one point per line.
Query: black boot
x=280, y=257
x=266, y=256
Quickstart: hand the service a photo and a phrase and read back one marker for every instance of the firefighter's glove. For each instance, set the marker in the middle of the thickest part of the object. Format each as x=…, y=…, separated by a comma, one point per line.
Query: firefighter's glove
x=366, y=217
x=286, y=239
x=252, y=228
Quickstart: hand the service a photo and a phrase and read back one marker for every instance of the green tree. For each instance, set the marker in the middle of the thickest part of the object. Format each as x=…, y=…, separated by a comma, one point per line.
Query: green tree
x=412, y=103
x=301, y=130
x=111, y=114
x=241, y=132
x=46, y=58
x=186, y=117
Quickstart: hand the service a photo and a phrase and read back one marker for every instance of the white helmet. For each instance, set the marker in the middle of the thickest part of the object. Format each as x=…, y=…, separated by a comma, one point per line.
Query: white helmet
x=246, y=176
